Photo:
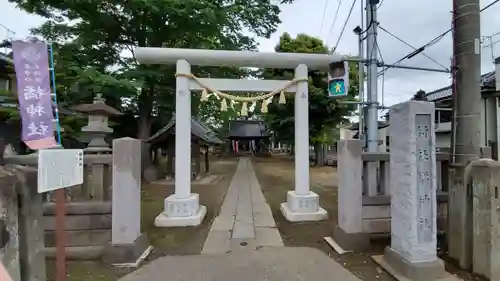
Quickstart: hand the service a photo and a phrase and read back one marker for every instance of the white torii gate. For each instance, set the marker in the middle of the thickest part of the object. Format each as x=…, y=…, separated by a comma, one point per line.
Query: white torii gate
x=182, y=208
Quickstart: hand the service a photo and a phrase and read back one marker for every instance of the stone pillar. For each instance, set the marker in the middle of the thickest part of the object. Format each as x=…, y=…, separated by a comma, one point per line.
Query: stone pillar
x=182, y=208
x=412, y=253
x=459, y=218
x=302, y=204
x=485, y=174
x=97, y=182
x=128, y=246
x=348, y=234
x=460, y=213
x=31, y=231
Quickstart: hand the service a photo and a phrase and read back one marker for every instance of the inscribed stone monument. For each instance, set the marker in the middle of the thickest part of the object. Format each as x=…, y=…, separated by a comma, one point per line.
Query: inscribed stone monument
x=413, y=192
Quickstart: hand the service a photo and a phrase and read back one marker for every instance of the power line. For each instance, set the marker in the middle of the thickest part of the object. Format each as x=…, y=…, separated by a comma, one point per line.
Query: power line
x=409, y=45
x=494, y=34
x=433, y=41
x=334, y=19
x=380, y=5
x=418, y=50
x=492, y=44
x=489, y=5
x=324, y=15
x=345, y=24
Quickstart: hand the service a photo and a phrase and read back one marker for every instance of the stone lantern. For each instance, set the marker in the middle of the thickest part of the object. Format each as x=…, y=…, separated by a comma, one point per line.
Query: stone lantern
x=97, y=128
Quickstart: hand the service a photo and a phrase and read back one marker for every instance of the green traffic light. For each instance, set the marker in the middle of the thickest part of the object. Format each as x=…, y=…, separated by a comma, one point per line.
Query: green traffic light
x=336, y=87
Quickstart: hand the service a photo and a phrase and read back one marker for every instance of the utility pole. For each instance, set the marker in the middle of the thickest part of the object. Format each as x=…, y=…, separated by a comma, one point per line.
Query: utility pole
x=361, y=83
x=371, y=56
x=361, y=74
x=467, y=57
x=467, y=125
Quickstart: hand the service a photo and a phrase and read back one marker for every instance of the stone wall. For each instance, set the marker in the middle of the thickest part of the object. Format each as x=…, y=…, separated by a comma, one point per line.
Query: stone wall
x=370, y=210
x=22, y=254
x=88, y=211
x=9, y=239
x=88, y=229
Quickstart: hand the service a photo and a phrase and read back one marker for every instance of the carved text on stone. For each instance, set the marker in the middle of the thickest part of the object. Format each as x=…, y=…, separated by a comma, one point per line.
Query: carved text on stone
x=424, y=175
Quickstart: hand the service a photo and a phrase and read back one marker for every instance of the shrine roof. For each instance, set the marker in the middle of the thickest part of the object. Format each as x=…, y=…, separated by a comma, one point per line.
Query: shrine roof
x=198, y=129
x=248, y=129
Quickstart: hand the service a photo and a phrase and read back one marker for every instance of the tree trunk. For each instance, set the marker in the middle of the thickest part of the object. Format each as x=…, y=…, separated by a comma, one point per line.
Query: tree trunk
x=144, y=126
x=319, y=155
x=145, y=105
x=170, y=158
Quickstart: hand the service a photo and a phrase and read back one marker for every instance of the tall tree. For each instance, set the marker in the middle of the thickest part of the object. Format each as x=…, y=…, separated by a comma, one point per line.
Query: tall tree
x=419, y=95
x=101, y=32
x=325, y=114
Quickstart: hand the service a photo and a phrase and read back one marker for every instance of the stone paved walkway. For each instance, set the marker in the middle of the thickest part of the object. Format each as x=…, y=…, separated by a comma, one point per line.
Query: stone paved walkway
x=245, y=245
x=245, y=221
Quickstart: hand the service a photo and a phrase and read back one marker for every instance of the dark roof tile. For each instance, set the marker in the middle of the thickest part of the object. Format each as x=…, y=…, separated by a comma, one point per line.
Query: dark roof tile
x=198, y=129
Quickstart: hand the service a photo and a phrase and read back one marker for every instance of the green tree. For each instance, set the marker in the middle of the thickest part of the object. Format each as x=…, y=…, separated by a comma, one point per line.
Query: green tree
x=93, y=35
x=325, y=114
x=419, y=95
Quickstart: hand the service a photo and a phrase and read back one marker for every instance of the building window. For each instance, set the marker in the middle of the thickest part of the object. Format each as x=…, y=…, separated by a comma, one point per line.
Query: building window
x=443, y=116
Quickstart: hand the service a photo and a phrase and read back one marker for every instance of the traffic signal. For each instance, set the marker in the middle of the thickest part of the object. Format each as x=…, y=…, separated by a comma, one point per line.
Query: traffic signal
x=338, y=79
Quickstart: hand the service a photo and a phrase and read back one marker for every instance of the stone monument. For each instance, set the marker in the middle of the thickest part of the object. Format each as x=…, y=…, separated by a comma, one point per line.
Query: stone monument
x=129, y=247
x=97, y=129
x=413, y=253
x=348, y=233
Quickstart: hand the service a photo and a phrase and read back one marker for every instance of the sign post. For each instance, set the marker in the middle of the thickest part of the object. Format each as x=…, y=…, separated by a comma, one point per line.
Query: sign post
x=58, y=169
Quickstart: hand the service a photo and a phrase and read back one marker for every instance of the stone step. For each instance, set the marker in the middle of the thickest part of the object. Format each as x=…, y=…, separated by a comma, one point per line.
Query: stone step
x=99, y=237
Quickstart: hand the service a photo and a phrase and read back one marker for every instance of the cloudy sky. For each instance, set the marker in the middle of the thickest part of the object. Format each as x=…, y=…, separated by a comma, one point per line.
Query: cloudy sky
x=416, y=22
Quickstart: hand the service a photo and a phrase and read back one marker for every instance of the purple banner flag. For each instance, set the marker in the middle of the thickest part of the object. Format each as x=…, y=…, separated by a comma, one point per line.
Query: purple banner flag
x=33, y=87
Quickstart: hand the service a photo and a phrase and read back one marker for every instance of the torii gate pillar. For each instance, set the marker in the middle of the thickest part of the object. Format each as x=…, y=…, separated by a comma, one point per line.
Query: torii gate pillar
x=183, y=207
x=302, y=204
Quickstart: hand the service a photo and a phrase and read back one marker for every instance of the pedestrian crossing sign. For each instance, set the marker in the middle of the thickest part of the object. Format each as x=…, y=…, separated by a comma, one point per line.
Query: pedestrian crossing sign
x=336, y=87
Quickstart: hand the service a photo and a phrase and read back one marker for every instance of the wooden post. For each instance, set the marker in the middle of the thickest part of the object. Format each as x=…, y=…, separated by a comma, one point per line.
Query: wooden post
x=60, y=236
x=207, y=163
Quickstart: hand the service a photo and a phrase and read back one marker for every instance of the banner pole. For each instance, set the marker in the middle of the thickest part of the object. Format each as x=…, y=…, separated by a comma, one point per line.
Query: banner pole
x=60, y=194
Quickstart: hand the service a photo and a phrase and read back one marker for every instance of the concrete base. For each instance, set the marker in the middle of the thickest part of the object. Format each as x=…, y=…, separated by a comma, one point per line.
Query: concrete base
x=180, y=212
x=129, y=255
x=303, y=207
x=351, y=241
x=404, y=270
